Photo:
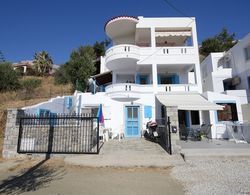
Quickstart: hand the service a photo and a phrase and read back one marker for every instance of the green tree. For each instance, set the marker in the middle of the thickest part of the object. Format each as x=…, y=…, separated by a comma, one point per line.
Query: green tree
x=43, y=63
x=61, y=75
x=100, y=48
x=81, y=66
x=219, y=43
x=9, y=77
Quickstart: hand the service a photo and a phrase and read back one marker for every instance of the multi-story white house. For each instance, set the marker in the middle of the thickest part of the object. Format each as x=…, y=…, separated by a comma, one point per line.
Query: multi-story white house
x=226, y=81
x=153, y=62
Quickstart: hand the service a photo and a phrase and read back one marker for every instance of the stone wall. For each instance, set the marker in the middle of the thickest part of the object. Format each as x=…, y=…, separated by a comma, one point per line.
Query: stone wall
x=172, y=113
x=11, y=133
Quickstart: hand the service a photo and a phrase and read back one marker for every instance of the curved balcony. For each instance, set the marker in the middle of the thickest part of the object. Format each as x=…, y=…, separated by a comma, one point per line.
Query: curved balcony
x=125, y=53
x=127, y=91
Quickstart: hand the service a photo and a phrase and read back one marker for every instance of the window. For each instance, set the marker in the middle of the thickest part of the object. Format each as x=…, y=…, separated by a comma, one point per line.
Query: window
x=229, y=113
x=247, y=53
x=195, y=118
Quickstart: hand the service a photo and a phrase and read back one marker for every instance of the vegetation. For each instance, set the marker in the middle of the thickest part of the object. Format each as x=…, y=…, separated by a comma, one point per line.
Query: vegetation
x=9, y=77
x=43, y=63
x=219, y=43
x=84, y=62
x=29, y=85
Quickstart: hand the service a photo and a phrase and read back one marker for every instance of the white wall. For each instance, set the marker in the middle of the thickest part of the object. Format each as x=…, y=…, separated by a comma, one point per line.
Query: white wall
x=55, y=105
x=113, y=111
x=240, y=66
x=218, y=128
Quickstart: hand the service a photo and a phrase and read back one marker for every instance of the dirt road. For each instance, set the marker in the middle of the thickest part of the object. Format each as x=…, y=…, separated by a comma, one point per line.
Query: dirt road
x=54, y=177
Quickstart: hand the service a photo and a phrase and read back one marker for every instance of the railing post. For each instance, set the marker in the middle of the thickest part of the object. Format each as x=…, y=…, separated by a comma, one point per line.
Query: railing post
x=169, y=136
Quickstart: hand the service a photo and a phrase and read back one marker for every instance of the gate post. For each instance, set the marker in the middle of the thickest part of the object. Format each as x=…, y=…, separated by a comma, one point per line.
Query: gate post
x=11, y=133
x=172, y=115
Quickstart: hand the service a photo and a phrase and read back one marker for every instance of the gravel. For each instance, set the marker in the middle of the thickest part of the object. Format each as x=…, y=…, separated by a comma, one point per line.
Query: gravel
x=214, y=176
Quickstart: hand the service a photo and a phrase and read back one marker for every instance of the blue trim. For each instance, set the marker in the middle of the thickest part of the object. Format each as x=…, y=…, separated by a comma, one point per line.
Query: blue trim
x=68, y=102
x=148, y=112
x=131, y=120
x=43, y=112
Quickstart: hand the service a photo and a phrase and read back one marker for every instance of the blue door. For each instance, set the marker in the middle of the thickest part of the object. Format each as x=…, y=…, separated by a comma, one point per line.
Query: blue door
x=132, y=121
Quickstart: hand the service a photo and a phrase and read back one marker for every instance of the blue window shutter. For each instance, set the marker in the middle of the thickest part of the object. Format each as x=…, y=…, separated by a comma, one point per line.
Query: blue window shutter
x=158, y=79
x=147, y=79
x=68, y=102
x=177, y=79
x=147, y=111
x=137, y=79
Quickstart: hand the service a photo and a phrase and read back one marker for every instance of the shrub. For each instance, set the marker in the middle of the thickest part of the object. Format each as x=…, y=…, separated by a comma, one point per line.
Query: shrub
x=8, y=77
x=30, y=84
x=61, y=76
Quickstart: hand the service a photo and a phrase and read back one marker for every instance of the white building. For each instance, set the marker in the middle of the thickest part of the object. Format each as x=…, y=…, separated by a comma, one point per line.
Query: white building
x=153, y=62
x=226, y=81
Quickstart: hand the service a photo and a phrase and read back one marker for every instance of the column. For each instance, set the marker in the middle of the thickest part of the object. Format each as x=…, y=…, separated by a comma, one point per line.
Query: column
x=154, y=77
x=152, y=37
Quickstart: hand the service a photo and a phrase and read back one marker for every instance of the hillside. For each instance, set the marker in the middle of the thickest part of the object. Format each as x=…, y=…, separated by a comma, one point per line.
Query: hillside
x=19, y=99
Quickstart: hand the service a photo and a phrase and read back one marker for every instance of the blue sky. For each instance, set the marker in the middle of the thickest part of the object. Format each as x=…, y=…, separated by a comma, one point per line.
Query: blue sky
x=59, y=26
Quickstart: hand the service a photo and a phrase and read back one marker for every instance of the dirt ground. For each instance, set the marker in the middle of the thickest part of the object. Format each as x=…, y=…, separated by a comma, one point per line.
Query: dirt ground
x=54, y=177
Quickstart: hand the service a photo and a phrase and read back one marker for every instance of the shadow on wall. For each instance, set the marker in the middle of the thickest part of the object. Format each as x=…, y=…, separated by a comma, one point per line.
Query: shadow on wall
x=39, y=176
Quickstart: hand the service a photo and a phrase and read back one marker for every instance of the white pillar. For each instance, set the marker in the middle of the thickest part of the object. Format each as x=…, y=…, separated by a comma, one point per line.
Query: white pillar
x=154, y=75
x=153, y=37
x=197, y=58
x=24, y=69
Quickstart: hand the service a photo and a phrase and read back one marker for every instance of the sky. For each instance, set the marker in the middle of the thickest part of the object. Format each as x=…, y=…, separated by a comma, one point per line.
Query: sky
x=59, y=26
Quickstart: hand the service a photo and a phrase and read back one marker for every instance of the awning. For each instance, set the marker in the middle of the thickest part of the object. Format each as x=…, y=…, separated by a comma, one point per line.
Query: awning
x=187, y=102
x=103, y=78
x=173, y=33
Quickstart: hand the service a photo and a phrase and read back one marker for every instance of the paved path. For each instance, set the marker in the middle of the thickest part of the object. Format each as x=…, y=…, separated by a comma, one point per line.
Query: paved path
x=215, y=148
x=127, y=153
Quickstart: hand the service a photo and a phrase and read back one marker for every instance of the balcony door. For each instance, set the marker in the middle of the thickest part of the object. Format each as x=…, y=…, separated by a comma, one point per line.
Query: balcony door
x=132, y=121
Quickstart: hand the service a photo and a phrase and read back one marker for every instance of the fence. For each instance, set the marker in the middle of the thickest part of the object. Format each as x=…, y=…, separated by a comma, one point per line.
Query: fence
x=165, y=135
x=58, y=134
x=239, y=132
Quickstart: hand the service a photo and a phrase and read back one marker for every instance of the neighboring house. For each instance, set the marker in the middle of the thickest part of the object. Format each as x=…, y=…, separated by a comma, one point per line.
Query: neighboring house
x=28, y=64
x=153, y=64
x=226, y=81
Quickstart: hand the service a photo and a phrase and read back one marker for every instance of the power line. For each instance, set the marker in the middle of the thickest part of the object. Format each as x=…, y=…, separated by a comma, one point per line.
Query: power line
x=176, y=9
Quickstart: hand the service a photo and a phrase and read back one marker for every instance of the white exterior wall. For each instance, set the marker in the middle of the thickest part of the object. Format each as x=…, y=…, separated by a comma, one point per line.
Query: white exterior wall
x=218, y=128
x=241, y=66
x=113, y=110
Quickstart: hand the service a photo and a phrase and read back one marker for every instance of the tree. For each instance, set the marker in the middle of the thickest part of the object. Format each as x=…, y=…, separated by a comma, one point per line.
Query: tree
x=9, y=77
x=100, y=48
x=61, y=75
x=219, y=43
x=43, y=63
x=81, y=66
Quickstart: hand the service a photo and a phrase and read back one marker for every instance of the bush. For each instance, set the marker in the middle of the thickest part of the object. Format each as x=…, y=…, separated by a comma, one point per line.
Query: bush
x=61, y=76
x=9, y=77
x=30, y=84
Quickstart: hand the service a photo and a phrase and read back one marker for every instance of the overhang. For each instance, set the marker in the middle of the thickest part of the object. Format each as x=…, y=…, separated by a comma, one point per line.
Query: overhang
x=103, y=78
x=120, y=26
x=193, y=101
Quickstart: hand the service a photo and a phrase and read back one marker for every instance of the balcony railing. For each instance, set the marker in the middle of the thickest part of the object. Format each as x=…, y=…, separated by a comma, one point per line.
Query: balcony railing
x=178, y=88
x=181, y=54
x=137, y=88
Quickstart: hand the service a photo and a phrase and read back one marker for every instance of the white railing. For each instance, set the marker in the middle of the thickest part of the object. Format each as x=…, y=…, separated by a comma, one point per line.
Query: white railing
x=121, y=51
x=137, y=88
x=133, y=51
x=178, y=88
x=128, y=87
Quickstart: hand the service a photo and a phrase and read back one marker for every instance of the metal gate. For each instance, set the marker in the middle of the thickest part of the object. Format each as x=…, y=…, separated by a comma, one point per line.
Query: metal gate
x=165, y=136
x=58, y=134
